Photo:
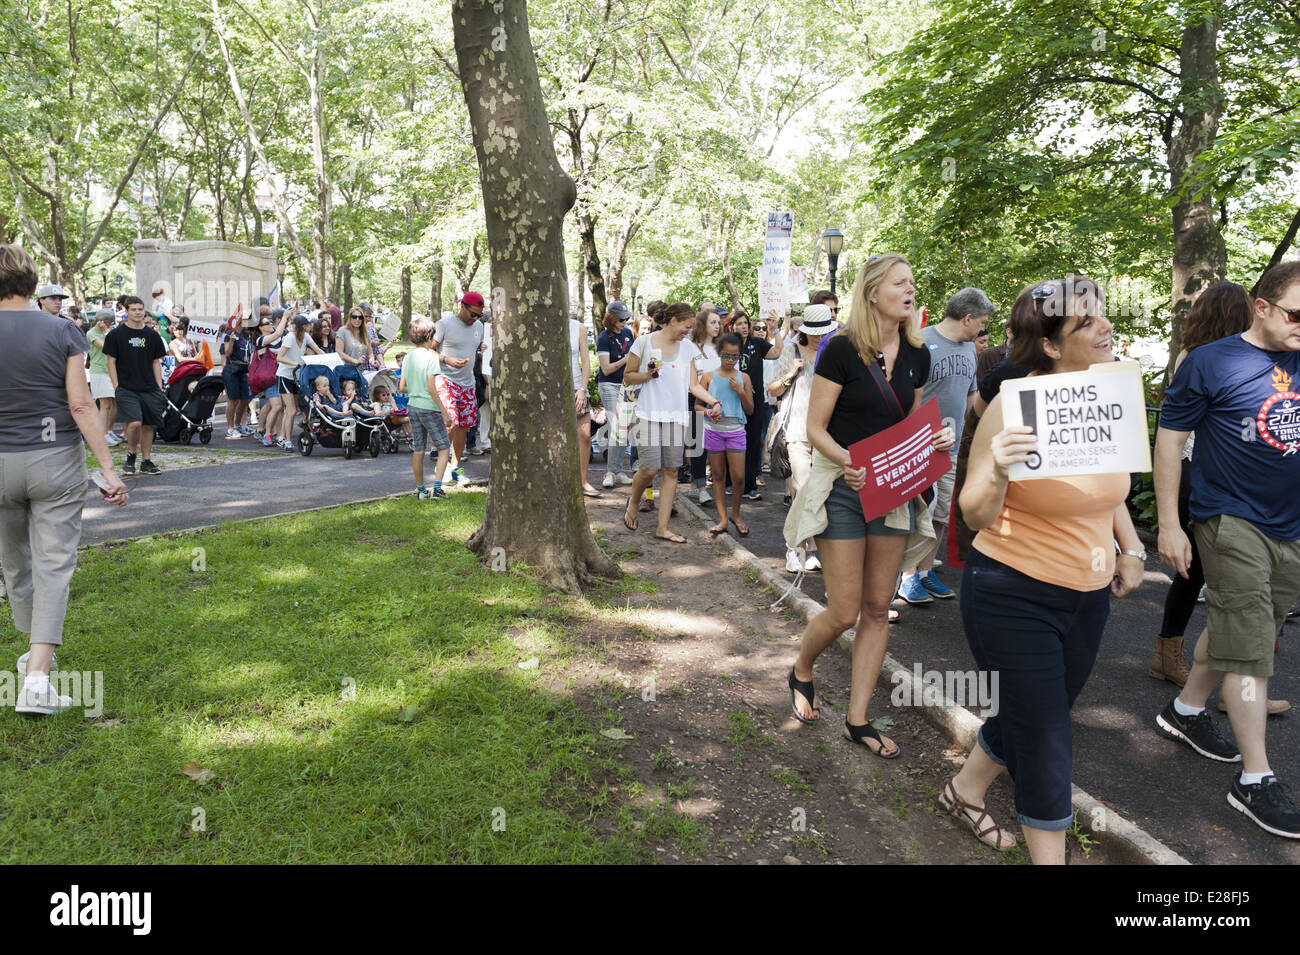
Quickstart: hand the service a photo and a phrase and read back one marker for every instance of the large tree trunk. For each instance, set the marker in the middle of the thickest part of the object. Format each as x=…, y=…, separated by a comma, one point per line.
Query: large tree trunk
x=347, y=287
x=435, y=291
x=535, y=511
x=1200, y=254
x=591, y=261
x=405, y=305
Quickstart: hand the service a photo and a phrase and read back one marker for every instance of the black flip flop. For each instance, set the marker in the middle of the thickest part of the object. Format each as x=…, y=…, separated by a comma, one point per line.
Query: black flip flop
x=808, y=692
x=856, y=735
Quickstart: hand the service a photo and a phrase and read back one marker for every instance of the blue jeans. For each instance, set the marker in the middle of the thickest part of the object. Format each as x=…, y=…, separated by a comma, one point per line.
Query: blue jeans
x=1041, y=640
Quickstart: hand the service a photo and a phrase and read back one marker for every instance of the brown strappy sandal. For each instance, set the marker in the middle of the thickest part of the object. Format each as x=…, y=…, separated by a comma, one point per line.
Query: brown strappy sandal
x=959, y=808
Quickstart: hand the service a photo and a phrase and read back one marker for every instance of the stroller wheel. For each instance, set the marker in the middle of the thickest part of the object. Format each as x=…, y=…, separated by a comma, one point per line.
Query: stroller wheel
x=184, y=435
x=347, y=450
x=205, y=436
x=375, y=445
x=391, y=445
x=305, y=444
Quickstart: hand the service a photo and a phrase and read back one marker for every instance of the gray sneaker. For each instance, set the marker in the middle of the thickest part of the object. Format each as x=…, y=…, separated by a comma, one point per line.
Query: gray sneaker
x=43, y=702
x=21, y=665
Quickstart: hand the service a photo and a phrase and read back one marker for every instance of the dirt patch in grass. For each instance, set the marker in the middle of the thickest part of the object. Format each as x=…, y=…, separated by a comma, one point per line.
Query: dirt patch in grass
x=693, y=679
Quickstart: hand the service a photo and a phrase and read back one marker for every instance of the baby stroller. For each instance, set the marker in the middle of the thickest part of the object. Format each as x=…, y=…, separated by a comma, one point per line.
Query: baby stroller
x=391, y=426
x=328, y=429
x=191, y=396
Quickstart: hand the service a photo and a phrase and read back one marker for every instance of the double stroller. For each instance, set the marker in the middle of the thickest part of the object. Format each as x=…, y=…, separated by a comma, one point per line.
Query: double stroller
x=329, y=428
x=191, y=395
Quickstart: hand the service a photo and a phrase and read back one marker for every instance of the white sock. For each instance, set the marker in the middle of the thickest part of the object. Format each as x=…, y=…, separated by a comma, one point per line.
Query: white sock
x=1254, y=779
x=36, y=682
x=1182, y=709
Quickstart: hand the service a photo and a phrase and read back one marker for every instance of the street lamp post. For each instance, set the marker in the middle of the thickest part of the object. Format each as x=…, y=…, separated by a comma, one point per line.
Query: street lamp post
x=279, y=274
x=633, y=283
x=103, y=273
x=834, y=239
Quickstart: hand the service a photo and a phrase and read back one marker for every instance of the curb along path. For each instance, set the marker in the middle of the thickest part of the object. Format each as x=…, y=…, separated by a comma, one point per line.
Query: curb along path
x=960, y=723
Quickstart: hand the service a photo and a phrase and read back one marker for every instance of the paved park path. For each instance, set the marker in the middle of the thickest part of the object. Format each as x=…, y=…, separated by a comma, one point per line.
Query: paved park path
x=1175, y=795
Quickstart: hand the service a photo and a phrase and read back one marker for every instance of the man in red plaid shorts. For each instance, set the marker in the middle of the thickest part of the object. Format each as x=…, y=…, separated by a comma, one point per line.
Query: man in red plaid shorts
x=457, y=339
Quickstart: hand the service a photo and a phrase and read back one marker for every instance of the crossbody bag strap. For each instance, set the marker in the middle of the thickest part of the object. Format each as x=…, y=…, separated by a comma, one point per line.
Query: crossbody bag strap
x=886, y=389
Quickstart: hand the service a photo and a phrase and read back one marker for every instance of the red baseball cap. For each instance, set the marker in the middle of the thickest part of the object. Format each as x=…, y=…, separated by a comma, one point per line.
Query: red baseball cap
x=472, y=299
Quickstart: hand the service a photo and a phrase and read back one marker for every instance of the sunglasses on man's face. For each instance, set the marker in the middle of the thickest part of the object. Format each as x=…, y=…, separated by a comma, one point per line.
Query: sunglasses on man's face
x=476, y=314
x=1292, y=314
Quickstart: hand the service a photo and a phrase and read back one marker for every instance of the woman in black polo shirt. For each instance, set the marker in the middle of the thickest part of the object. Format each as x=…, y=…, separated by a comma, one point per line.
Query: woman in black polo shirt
x=868, y=379
x=754, y=348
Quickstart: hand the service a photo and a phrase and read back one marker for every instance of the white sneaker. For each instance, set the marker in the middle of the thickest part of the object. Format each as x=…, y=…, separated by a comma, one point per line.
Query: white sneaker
x=43, y=700
x=792, y=562
x=232, y=434
x=609, y=479
x=624, y=479
x=21, y=665
x=112, y=440
x=704, y=496
x=812, y=563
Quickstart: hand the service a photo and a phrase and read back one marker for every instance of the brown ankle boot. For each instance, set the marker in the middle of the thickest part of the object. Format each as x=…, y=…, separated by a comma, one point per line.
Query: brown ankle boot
x=1167, y=661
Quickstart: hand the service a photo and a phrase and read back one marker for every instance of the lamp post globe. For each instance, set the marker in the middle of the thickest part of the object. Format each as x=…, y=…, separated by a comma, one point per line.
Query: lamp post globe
x=834, y=241
x=633, y=283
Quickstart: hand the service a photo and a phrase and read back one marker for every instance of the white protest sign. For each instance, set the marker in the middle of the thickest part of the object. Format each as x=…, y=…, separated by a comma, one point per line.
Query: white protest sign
x=1088, y=422
x=391, y=327
x=774, y=273
x=798, y=283
x=205, y=330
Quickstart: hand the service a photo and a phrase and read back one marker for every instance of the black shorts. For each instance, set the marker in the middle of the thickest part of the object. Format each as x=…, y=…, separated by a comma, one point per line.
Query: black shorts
x=287, y=386
x=147, y=407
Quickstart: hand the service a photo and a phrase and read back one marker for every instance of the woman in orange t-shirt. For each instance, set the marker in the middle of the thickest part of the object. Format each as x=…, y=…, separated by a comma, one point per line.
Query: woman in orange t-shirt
x=1036, y=590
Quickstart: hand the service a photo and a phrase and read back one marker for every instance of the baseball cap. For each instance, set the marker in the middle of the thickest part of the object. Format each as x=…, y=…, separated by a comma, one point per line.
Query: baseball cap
x=619, y=310
x=472, y=299
x=301, y=320
x=52, y=291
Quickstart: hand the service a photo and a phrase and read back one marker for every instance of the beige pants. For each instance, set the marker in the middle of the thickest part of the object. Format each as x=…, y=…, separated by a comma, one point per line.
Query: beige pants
x=800, y=454
x=41, y=496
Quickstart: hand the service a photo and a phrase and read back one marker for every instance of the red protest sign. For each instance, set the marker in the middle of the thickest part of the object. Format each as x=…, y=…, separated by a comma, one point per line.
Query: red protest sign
x=901, y=461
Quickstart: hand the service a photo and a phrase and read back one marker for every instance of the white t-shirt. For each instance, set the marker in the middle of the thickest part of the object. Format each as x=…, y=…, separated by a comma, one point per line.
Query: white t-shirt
x=577, y=342
x=665, y=398
x=295, y=352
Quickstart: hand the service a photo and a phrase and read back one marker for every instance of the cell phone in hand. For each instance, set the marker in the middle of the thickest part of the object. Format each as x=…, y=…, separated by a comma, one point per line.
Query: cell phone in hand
x=102, y=483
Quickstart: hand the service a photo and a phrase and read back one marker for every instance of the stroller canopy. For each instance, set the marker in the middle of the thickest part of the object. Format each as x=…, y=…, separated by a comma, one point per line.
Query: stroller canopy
x=308, y=374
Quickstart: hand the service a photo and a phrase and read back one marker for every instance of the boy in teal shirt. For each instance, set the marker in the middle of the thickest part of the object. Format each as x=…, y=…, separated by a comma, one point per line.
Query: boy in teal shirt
x=428, y=418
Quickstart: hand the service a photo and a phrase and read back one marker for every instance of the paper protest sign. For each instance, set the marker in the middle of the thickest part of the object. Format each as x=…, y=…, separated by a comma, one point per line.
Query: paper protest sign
x=773, y=274
x=1087, y=422
x=798, y=283
x=901, y=461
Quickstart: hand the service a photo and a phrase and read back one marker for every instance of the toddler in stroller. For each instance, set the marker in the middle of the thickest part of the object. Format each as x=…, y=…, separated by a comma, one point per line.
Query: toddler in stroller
x=328, y=422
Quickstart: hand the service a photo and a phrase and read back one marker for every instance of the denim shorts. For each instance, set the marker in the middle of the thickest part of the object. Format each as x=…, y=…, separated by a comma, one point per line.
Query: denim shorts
x=1040, y=642
x=236, y=385
x=845, y=520
x=428, y=430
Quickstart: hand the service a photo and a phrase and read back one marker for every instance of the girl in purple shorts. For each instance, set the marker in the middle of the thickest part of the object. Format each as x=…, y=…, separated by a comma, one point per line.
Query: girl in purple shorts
x=724, y=430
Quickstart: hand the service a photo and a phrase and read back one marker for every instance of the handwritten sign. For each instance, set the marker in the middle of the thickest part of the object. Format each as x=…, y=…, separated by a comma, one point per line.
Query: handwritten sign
x=901, y=461
x=798, y=283
x=1087, y=422
x=773, y=274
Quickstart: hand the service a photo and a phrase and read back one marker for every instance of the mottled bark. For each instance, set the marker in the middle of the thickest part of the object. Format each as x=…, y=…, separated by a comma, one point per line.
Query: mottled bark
x=435, y=290
x=405, y=306
x=346, y=294
x=535, y=511
x=1200, y=254
x=591, y=261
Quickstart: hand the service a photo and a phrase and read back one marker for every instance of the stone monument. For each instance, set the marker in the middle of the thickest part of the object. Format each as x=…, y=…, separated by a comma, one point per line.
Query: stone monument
x=209, y=278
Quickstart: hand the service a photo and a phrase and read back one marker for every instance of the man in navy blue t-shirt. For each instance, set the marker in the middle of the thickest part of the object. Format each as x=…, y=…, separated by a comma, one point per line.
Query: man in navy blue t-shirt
x=1241, y=395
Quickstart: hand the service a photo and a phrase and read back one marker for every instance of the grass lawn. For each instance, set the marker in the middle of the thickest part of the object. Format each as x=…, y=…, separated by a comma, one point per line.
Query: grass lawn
x=350, y=677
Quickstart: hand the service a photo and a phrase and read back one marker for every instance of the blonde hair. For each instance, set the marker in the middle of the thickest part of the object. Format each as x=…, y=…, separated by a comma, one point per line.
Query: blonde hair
x=863, y=328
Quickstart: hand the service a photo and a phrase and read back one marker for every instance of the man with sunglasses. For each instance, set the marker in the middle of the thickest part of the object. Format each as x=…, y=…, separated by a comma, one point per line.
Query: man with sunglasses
x=457, y=339
x=1240, y=396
